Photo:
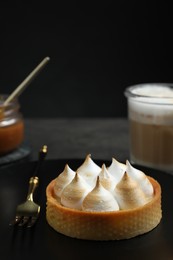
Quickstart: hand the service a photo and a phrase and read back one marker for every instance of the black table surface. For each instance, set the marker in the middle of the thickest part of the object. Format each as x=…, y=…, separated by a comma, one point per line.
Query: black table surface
x=74, y=138
x=70, y=140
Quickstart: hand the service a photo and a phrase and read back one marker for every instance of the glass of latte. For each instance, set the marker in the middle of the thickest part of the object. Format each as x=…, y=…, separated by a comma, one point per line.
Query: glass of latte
x=150, y=113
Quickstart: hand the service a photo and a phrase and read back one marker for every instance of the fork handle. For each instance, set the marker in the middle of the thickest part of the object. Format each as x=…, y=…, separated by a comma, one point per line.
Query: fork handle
x=41, y=156
x=33, y=183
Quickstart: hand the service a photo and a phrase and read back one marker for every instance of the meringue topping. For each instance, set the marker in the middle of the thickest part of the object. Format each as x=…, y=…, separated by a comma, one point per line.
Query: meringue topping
x=106, y=179
x=99, y=199
x=117, y=169
x=141, y=178
x=89, y=170
x=128, y=193
x=94, y=188
x=63, y=180
x=74, y=193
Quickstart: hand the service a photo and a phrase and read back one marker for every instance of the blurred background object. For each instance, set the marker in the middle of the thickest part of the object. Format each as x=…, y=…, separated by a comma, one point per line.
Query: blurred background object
x=96, y=51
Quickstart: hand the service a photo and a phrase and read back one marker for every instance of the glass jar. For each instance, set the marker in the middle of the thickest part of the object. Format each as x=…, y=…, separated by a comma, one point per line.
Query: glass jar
x=150, y=113
x=11, y=126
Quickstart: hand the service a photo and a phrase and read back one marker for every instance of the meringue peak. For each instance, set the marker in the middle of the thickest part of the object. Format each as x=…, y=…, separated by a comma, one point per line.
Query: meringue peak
x=126, y=182
x=116, y=169
x=106, y=179
x=74, y=193
x=141, y=178
x=63, y=179
x=99, y=199
x=128, y=193
x=89, y=167
x=89, y=170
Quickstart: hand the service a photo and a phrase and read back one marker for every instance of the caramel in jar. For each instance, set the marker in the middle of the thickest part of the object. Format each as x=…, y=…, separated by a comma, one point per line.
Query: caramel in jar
x=11, y=126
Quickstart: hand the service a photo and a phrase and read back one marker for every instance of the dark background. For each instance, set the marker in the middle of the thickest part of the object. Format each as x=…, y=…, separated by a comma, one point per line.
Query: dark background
x=97, y=49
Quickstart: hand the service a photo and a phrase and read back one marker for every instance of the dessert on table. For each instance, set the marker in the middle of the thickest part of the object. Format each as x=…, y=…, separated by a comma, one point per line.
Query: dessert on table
x=111, y=202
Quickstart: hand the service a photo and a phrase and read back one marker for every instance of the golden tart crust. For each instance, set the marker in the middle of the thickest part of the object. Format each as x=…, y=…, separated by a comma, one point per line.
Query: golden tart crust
x=115, y=225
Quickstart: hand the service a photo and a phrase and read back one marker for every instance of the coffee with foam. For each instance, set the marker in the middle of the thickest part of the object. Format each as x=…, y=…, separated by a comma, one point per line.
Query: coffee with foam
x=150, y=111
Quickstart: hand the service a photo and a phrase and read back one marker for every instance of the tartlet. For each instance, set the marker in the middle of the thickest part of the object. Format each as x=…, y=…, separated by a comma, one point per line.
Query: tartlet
x=103, y=225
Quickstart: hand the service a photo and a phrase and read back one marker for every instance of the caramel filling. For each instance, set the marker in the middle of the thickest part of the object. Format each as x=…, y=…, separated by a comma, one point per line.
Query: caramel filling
x=11, y=137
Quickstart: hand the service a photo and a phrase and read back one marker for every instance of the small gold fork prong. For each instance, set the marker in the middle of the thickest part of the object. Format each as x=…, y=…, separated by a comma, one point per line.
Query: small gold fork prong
x=31, y=222
x=24, y=221
x=15, y=221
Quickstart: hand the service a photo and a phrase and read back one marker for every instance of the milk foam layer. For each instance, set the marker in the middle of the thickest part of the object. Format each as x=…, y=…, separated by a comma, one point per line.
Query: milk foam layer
x=152, y=104
x=107, y=194
x=153, y=90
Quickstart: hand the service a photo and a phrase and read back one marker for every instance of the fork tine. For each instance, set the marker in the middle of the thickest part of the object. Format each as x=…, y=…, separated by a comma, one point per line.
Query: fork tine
x=23, y=221
x=15, y=221
x=32, y=221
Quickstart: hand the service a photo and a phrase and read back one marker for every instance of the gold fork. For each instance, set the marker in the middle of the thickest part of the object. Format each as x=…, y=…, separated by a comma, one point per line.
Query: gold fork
x=27, y=213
